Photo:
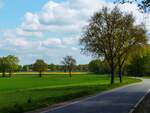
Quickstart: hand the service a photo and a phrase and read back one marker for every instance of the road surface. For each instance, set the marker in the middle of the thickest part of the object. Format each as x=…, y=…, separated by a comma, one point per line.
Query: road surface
x=120, y=100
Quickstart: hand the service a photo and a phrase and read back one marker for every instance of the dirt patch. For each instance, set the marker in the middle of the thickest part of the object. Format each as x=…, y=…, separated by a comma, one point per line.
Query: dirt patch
x=144, y=106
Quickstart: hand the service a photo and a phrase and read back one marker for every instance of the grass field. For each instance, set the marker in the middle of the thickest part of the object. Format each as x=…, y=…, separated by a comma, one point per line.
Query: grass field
x=25, y=91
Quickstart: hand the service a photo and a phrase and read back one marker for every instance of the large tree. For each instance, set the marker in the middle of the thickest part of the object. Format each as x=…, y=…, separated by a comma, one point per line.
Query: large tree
x=110, y=34
x=69, y=63
x=40, y=66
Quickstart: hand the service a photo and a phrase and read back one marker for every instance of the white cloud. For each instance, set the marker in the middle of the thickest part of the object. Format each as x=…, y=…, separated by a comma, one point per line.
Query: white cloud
x=61, y=43
x=70, y=15
x=12, y=43
x=52, y=42
x=25, y=33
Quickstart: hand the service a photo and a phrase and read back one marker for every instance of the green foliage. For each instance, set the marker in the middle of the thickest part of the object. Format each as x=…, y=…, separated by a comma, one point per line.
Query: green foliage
x=98, y=67
x=139, y=66
x=25, y=68
x=12, y=64
x=29, y=101
x=40, y=66
x=54, y=67
x=9, y=64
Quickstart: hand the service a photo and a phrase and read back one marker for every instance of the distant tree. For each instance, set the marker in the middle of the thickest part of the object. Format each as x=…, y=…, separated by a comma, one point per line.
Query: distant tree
x=12, y=64
x=40, y=66
x=94, y=66
x=26, y=68
x=69, y=62
x=82, y=68
x=98, y=67
x=54, y=67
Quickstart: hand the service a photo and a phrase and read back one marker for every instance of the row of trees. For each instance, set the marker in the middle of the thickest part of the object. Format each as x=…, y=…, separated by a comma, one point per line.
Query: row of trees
x=137, y=65
x=68, y=63
x=10, y=64
x=56, y=68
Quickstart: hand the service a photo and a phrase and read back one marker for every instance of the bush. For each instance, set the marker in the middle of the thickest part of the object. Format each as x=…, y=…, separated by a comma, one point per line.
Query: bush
x=139, y=66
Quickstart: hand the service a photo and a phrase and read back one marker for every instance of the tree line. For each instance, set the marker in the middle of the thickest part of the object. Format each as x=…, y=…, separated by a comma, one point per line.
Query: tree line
x=56, y=68
x=10, y=64
x=138, y=65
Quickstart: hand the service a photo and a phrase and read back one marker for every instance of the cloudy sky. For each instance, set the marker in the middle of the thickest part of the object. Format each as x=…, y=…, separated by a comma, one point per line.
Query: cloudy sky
x=49, y=29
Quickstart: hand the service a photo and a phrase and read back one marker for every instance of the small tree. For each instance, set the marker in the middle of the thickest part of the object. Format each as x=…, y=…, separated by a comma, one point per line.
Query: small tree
x=40, y=66
x=8, y=64
x=12, y=64
x=69, y=62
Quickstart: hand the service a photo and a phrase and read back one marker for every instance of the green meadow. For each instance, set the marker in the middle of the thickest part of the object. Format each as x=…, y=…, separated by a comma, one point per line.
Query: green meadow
x=26, y=91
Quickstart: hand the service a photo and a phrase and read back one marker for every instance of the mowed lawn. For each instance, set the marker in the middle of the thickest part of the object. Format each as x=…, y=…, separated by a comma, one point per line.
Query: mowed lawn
x=26, y=91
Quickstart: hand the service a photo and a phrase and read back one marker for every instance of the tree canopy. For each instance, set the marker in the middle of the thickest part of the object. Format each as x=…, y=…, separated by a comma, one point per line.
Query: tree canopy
x=9, y=64
x=112, y=34
x=40, y=66
x=69, y=63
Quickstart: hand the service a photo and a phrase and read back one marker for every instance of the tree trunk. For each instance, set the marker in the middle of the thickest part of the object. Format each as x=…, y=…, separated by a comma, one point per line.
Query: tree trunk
x=10, y=73
x=3, y=75
x=70, y=74
x=40, y=74
x=120, y=73
x=112, y=73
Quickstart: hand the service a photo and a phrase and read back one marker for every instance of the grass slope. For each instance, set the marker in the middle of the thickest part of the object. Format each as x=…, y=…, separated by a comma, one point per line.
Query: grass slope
x=25, y=92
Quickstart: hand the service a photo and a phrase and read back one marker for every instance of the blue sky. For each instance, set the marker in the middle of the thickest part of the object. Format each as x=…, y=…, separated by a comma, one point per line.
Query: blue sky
x=47, y=29
x=12, y=12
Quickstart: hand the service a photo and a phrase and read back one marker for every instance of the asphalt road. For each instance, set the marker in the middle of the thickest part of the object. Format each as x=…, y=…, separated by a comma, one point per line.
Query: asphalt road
x=120, y=100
